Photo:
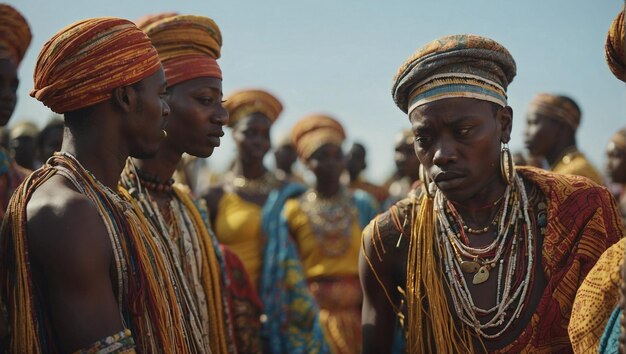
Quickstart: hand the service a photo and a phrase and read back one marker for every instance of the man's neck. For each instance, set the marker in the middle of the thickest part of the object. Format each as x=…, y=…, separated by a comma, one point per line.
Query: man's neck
x=104, y=160
x=162, y=166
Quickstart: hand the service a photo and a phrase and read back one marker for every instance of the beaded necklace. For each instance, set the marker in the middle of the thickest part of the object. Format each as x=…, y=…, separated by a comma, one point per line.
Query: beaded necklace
x=331, y=220
x=257, y=186
x=512, y=252
x=185, y=235
x=147, y=297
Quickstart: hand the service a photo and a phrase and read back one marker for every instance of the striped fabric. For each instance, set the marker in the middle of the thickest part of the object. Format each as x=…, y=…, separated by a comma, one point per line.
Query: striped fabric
x=188, y=46
x=15, y=34
x=82, y=64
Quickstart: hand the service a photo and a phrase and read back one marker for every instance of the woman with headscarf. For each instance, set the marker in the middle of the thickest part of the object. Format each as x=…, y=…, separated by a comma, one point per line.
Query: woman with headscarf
x=326, y=223
x=598, y=324
x=244, y=208
x=486, y=256
x=15, y=38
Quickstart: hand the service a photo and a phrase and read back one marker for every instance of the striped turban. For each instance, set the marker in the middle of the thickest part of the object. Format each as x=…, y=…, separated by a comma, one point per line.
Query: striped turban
x=556, y=107
x=82, y=64
x=614, y=48
x=313, y=131
x=245, y=102
x=147, y=20
x=188, y=47
x=462, y=65
x=15, y=34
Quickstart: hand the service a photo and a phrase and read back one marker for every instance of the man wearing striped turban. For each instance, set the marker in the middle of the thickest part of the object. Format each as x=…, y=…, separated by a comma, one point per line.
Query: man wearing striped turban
x=15, y=38
x=189, y=47
x=598, y=324
x=80, y=268
x=485, y=256
x=551, y=125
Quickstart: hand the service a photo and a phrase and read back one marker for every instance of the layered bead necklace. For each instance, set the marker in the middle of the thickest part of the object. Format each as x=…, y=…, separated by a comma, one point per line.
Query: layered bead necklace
x=512, y=254
x=262, y=185
x=331, y=220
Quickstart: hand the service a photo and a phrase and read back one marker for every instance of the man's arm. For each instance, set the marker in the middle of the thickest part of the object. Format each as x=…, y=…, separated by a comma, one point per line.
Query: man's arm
x=72, y=254
x=378, y=281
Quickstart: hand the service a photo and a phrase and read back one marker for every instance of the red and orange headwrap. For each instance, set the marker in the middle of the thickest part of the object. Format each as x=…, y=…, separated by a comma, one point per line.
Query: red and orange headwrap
x=313, y=131
x=245, y=102
x=614, y=48
x=147, y=20
x=82, y=64
x=188, y=46
x=15, y=34
x=556, y=107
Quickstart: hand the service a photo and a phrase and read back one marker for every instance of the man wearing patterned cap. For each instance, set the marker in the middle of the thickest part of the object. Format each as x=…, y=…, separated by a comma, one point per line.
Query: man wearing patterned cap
x=80, y=269
x=551, y=125
x=15, y=38
x=189, y=47
x=485, y=257
x=597, y=316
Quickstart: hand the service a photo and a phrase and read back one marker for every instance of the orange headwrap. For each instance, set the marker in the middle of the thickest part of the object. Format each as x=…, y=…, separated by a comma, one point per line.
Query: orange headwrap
x=245, y=102
x=188, y=46
x=556, y=107
x=614, y=48
x=313, y=131
x=82, y=64
x=147, y=20
x=14, y=34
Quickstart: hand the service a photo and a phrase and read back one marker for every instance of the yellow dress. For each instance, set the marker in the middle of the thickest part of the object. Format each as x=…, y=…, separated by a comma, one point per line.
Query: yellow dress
x=331, y=269
x=575, y=163
x=238, y=226
x=595, y=300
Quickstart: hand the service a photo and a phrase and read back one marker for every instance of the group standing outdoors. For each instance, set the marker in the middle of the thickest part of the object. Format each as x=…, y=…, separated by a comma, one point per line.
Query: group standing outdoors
x=103, y=250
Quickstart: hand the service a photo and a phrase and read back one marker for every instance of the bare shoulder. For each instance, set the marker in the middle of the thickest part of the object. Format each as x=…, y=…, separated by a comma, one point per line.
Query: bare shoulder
x=63, y=224
x=391, y=228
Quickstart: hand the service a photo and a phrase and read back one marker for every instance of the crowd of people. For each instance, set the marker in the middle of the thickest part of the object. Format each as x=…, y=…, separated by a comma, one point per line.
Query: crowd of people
x=117, y=239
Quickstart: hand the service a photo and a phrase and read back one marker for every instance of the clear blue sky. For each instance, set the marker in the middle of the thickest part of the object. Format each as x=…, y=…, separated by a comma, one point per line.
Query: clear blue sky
x=339, y=57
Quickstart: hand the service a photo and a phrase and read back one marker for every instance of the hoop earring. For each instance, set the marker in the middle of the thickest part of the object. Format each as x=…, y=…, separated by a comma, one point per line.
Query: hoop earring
x=426, y=182
x=507, y=168
x=164, y=133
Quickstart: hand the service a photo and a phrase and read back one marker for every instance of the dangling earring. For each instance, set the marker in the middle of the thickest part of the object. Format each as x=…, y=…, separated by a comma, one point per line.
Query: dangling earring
x=426, y=182
x=507, y=168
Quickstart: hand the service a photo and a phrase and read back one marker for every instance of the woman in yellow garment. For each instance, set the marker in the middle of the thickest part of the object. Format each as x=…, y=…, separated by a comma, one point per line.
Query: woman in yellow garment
x=242, y=207
x=326, y=223
x=235, y=206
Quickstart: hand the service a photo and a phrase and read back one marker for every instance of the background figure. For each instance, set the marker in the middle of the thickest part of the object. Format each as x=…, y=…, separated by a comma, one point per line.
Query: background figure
x=23, y=143
x=355, y=165
x=15, y=38
x=616, y=167
x=286, y=156
x=50, y=139
x=326, y=223
x=245, y=211
x=551, y=125
x=406, y=177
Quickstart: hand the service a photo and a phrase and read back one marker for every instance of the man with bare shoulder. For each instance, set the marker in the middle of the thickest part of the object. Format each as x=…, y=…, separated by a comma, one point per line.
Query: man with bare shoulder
x=79, y=269
x=486, y=257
